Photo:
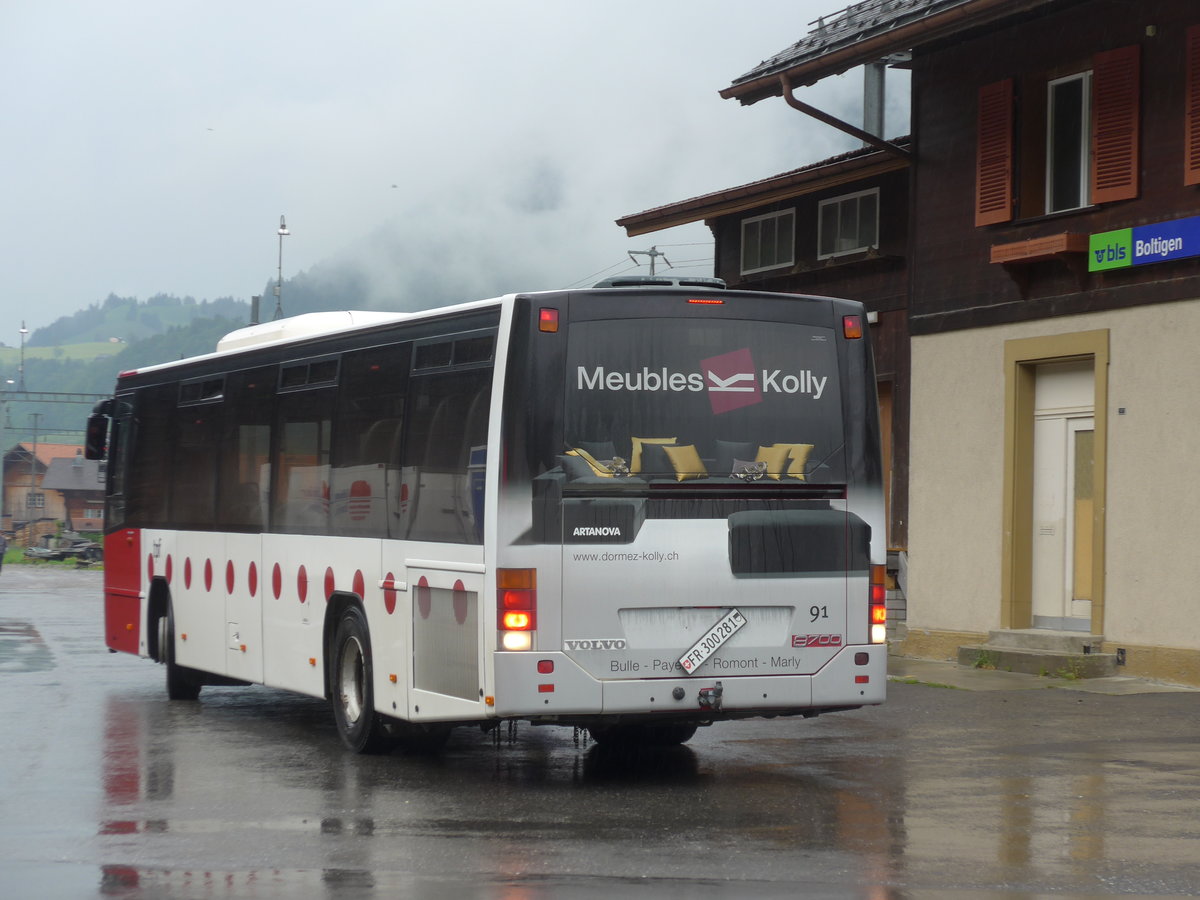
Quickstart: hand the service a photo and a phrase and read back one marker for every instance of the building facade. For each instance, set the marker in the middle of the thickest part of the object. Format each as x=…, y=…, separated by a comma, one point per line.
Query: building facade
x=1052, y=349
x=1053, y=279
x=27, y=499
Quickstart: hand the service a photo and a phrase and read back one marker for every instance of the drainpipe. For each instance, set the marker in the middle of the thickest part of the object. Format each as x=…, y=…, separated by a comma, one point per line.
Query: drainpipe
x=867, y=138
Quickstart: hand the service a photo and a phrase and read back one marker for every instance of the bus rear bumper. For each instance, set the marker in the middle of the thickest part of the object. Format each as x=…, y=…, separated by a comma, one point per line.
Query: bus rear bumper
x=850, y=678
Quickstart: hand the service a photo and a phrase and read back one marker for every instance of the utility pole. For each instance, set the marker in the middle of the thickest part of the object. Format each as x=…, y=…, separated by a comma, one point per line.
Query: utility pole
x=21, y=370
x=653, y=253
x=282, y=232
x=31, y=497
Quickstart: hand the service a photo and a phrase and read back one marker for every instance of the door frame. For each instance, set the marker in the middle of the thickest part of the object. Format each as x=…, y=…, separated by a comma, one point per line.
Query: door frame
x=1022, y=356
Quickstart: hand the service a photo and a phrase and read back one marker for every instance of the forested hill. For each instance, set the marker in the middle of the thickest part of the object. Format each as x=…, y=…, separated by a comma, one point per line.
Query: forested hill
x=129, y=320
x=83, y=352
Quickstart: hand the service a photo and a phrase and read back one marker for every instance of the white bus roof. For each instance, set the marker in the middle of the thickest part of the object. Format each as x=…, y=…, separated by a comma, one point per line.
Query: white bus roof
x=283, y=331
x=304, y=325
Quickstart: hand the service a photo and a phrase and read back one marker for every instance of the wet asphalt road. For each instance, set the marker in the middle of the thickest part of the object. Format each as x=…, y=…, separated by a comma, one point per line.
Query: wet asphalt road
x=109, y=790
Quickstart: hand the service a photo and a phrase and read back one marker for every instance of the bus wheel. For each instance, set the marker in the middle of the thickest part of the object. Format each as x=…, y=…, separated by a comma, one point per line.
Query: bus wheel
x=643, y=735
x=352, y=688
x=182, y=683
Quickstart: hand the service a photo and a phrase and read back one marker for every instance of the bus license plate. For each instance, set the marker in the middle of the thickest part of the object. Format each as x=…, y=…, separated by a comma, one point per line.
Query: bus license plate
x=712, y=641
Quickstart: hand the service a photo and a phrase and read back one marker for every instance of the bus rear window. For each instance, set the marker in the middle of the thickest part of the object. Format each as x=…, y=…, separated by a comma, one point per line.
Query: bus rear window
x=690, y=400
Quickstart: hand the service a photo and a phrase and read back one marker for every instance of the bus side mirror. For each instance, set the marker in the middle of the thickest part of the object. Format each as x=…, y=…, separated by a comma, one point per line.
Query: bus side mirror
x=95, y=445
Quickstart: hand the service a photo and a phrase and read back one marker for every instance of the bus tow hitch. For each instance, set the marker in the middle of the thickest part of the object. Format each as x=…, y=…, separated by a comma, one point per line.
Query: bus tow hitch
x=710, y=697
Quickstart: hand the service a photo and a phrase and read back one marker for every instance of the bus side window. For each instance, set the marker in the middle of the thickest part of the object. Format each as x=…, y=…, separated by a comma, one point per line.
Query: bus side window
x=194, y=482
x=151, y=456
x=447, y=428
x=246, y=448
x=301, y=488
x=368, y=430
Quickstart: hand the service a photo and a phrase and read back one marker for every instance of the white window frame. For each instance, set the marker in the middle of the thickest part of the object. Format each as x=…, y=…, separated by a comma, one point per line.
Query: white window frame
x=1085, y=141
x=840, y=202
x=777, y=261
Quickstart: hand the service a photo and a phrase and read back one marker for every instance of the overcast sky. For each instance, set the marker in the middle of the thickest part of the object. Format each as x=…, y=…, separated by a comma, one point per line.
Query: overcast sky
x=151, y=147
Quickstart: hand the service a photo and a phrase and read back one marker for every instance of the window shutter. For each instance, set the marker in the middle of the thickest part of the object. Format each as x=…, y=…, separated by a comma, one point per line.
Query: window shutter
x=1115, y=111
x=994, y=154
x=1191, y=113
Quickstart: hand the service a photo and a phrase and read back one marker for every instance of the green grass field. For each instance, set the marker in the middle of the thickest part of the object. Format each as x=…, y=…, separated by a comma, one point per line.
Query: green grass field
x=11, y=356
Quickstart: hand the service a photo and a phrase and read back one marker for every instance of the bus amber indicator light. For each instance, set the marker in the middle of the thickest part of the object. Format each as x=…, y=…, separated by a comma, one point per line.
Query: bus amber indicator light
x=548, y=319
x=852, y=327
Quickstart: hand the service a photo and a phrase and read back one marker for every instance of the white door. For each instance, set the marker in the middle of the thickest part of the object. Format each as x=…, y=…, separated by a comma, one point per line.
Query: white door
x=1062, y=496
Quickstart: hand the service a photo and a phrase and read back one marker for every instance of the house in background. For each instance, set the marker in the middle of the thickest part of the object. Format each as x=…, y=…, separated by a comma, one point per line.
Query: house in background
x=27, y=500
x=1053, y=295
x=80, y=482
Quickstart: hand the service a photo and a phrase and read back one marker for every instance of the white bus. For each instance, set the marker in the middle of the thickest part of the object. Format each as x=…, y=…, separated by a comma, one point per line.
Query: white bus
x=635, y=511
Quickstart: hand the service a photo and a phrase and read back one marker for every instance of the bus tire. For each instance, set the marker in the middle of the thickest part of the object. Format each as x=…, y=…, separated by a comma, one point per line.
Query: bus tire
x=182, y=682
x=627, y=736
x=351, y=686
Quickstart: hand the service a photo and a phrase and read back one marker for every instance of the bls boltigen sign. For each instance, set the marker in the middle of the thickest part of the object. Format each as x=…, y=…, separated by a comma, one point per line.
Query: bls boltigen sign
x=1144, y=244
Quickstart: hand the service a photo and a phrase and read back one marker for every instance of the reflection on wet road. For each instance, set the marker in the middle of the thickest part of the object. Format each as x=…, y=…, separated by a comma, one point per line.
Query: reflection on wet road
x=110, y=790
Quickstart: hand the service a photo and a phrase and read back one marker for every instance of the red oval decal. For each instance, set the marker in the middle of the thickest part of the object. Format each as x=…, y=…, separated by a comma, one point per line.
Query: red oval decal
x=460, y=603
x=424, y=597
x=389, y=593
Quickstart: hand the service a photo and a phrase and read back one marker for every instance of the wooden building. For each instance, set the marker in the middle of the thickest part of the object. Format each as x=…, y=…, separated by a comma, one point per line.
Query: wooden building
x=1047, y=289
x=25, y=498
x=1054, y=292
x=80, y=483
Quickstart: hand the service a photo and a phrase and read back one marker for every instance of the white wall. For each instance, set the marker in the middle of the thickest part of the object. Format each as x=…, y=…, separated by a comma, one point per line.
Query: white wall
x=1153, y=474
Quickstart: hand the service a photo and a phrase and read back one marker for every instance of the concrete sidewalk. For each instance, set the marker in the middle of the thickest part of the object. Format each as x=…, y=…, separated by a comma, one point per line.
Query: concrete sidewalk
x=947, y=673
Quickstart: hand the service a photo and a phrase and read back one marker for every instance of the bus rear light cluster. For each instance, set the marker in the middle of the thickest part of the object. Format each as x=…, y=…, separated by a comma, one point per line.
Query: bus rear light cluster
x=852, y=328
x=516, y=608
x=878, y=606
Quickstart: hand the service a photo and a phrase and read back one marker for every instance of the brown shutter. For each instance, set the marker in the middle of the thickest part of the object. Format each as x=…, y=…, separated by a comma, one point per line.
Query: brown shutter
x=1115, y=94
x=1191, y=112
x=994, y=159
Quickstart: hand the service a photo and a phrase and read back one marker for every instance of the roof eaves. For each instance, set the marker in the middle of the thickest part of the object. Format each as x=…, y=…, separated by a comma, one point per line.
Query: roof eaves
x=851, y=166
x=867, y=32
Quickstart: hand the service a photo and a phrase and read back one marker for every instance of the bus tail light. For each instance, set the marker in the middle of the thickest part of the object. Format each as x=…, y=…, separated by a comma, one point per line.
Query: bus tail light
x=548, y=319
x=852, y=328
x=516, y=608
x=878, y=605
